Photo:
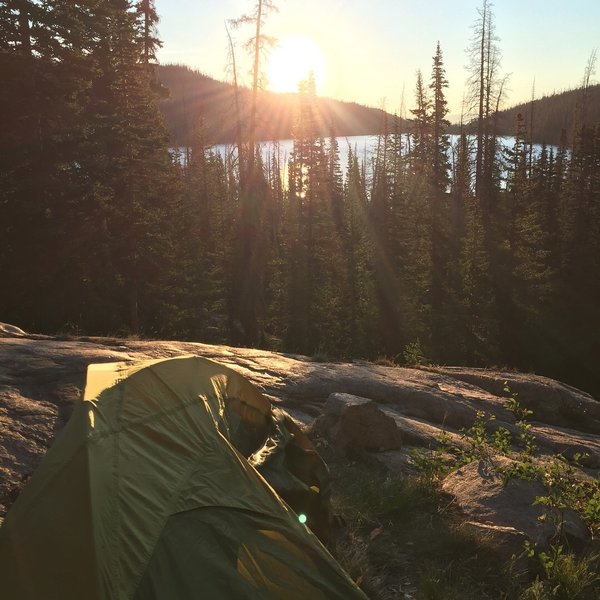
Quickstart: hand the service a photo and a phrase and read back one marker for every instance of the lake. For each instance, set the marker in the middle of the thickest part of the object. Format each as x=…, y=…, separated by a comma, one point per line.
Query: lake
x=363, y=146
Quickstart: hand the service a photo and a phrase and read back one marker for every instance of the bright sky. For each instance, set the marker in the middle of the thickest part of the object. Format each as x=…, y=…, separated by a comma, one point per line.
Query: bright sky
x=369, y=51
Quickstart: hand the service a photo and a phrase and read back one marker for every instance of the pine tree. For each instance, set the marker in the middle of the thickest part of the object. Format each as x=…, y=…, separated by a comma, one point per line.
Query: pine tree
x=246, y=299
x=439, y=183
x=460, y=199
x=532, y=275
x=205, y=229
x=359, y=293
x=305, y=167
x=579, y=291
x=334, y=183
x=131, y=180
x=381, y=235
x=421, y=150
x=486, y=91
x=439, y=124
x=479, y=331
x=147, y=28
x=46, y=68
x=315, y=242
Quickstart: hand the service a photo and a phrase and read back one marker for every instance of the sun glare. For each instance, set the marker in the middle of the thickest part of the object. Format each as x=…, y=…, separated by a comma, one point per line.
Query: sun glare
x=291, y=62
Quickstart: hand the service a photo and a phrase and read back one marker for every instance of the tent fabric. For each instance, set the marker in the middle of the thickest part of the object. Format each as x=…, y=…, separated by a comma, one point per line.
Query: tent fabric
x=146, y=493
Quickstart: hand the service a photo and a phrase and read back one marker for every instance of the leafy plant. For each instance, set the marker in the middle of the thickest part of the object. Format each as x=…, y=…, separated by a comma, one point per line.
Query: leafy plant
x=526, y=438
x=564, y=576
x=432, y=464
x=413, y=354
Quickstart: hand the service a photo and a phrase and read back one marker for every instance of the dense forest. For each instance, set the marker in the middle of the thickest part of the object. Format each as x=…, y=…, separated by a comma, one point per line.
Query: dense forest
x=461, y=253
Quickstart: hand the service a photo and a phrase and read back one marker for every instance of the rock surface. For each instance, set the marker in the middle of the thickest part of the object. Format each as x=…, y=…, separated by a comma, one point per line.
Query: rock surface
x=385, y=407
x=353, y=423
x=552, y=402
x=507, y=508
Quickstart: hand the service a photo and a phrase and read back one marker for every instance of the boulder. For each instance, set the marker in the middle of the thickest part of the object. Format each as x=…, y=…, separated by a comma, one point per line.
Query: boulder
x=352, y=423
x=7, y=330
x=487, y=501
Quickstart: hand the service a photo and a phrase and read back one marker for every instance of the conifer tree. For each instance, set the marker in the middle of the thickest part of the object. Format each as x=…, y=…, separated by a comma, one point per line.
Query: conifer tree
x=257, y=45
x=439, y=124
x=305, y=169
x=579, y=291
x=316, y=266
x=526, y=288
x=246, y=299
x=459, y=199
x=147, y=26
x=421, y=151
x=359, y=294
x=46, y=66
x=131, y=174
x=486, y=90
x=334, y=183
x=439, y=183
x=205, y=230
x=479, y=331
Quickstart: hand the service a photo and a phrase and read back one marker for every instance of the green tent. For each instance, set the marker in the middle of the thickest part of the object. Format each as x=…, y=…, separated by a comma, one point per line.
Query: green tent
x=146, y=494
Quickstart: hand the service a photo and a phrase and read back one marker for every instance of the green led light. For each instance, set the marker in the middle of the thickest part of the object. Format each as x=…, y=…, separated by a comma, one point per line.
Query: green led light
x=302, y=518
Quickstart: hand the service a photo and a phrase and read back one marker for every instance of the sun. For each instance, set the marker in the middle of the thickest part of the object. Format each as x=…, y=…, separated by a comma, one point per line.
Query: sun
x=291, y=62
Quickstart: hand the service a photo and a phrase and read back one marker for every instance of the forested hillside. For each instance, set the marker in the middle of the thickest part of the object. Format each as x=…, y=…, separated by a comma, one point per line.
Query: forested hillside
x=547, y=117
x=194, y=96
x=489, y=258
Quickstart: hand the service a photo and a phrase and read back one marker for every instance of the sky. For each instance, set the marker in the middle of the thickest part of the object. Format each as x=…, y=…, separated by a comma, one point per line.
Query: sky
x=369, y=51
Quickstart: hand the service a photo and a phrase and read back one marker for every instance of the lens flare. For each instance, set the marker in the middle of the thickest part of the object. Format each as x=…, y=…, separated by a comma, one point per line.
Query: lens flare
x=291, y=62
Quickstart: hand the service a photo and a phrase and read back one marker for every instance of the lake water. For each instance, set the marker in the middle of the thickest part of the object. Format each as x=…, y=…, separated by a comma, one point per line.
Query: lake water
x=362, y=146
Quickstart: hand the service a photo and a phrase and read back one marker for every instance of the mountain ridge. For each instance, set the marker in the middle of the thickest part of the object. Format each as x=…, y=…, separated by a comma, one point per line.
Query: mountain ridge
x=196, y=98
x=554, y=113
